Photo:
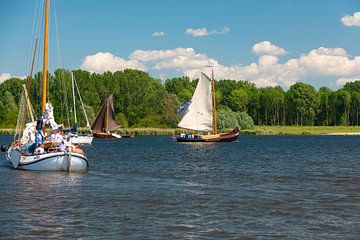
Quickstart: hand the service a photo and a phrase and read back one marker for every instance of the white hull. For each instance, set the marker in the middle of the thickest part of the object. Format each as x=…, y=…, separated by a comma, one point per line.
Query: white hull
x=57, y=161
x=82, y=140
x=115, y=135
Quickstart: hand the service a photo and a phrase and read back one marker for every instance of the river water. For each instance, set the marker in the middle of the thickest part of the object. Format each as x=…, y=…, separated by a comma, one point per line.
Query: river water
x=262, y=187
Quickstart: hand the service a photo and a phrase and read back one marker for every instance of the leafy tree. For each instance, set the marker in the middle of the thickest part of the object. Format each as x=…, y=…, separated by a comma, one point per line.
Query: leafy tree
x=302, y=102
x=324, y=108
x=121, y=120
x=238, y=100
x=181, y=87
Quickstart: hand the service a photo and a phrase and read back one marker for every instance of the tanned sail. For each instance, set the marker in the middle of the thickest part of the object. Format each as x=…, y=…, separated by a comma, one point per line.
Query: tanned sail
x=105, y=120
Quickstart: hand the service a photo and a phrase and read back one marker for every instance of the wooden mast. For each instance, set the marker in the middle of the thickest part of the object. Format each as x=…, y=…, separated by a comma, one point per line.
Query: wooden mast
x=214, y=101
x=45, y=61
x=106, y=115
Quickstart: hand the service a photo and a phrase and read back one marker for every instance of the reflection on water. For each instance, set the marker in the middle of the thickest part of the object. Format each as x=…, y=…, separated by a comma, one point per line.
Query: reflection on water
x=302, y=187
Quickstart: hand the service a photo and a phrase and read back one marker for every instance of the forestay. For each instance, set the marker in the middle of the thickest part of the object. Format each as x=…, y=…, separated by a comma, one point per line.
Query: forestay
x=199, y=116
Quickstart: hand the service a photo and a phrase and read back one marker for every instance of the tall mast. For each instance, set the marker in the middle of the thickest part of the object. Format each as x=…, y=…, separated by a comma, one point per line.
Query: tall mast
x=214, y=100
x=106, y=115
x=45, y=61
x=73, y=92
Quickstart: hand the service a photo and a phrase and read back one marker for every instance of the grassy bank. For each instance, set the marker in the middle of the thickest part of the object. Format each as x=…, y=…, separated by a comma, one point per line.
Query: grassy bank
x=259, y=130
x=306, y=130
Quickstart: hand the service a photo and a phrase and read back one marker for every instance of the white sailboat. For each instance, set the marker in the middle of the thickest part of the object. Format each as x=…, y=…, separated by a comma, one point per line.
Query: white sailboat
x=200, y=115
x=79, y=139
x=48, y=155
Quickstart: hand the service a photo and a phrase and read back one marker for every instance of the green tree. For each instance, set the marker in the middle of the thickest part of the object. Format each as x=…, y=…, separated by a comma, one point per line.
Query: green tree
x=345, y=98
x=324, y=107
x=302, y=103
x=238, y=100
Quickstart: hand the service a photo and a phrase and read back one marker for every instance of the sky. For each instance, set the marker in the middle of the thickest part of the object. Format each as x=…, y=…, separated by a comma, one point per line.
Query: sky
x=270, y=43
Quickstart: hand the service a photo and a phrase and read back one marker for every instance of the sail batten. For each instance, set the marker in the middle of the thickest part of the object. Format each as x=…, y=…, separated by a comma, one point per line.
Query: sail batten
x=105, y=120
x=199, y=115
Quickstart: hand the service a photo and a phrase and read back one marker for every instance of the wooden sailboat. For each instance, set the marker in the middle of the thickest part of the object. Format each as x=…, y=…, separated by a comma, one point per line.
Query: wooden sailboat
x=200, y=115
x=104, y=122
x=47, y=155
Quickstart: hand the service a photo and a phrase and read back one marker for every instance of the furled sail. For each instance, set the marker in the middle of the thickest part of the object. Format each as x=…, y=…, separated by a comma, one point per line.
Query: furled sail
x=105, y=120
x=199, y=115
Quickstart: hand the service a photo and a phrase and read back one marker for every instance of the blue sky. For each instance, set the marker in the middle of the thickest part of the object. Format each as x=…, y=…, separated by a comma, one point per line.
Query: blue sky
x=114, y=34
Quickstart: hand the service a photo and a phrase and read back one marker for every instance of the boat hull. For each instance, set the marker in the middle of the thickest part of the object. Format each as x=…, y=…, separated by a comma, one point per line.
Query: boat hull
x=57, y=161
x=82, y=140
x=228, y=137
x=106, y=135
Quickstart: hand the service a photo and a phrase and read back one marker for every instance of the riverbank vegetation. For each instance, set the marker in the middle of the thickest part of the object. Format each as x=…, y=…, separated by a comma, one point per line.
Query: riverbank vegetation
x=142, y=101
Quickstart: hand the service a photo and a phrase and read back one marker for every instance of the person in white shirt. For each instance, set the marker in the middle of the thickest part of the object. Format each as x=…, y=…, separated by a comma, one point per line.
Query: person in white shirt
x=53, y=137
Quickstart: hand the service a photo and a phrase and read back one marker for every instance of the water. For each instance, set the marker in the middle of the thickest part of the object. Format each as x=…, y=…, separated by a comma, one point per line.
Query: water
x=290, y=187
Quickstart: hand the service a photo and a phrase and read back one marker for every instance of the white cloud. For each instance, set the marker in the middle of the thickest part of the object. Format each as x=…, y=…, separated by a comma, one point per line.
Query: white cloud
x=201, y=32
x=104, y=61
x=158, y=34
x=343, y=81
x=154, y=55
x=267, y=48
x=353, y=20
x=4, y=77
x=268, y=70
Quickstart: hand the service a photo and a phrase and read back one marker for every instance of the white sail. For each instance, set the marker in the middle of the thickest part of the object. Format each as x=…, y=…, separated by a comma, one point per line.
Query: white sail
x=199, y=116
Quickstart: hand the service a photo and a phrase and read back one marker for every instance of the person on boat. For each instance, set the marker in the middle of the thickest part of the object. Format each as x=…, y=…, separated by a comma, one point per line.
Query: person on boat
x=39, y=129
x=31, y=138
x=59, y=138
x=28, y=142
x=53, y=137
x=68, y=145
x=49, y=116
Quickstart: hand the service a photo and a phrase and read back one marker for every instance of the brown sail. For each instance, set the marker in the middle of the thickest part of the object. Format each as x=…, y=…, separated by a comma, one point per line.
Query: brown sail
x=105, y=120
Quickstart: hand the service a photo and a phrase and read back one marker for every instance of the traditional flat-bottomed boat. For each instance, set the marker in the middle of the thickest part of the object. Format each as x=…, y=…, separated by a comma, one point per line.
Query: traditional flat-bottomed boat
x=200, y=115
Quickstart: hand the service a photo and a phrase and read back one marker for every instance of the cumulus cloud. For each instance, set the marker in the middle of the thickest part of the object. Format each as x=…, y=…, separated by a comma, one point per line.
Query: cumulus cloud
x=201, y=32
x=158, y=34
x=268, y=70
x=4, y=77
x=343, y=81
x=154, y=55
x=104, y=61
x=351, y=20
x=267, y=48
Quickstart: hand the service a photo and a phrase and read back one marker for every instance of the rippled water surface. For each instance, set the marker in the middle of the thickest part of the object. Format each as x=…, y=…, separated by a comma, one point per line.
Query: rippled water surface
x=290, y=187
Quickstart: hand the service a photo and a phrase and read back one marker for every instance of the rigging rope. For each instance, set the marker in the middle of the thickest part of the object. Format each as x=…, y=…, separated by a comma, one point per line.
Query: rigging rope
x=82, y=104
x=64, y=101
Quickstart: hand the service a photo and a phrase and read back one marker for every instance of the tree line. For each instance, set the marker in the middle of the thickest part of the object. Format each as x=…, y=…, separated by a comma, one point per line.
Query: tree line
x=143, y=101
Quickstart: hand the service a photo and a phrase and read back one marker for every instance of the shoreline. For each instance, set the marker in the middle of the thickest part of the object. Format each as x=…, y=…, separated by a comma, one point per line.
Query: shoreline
x=259, y=131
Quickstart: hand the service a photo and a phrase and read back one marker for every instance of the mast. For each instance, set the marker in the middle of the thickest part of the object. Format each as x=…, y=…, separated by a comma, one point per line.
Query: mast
x=106, y=114
x=73, y=93
x=214, y=100
x=45, y=61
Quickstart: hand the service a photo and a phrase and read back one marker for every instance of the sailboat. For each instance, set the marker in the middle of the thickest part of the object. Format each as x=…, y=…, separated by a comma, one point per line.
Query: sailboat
x=104, y=122
x=79, y=139
x=200, y=115
x=45, y=155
